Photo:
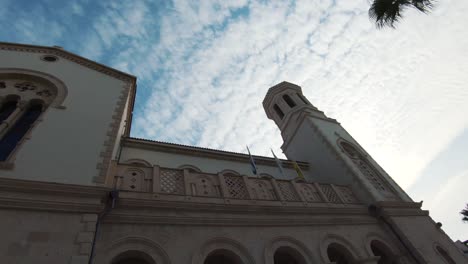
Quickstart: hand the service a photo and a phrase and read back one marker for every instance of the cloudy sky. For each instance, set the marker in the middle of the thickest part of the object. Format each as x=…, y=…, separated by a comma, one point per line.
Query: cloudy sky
x=204, y=68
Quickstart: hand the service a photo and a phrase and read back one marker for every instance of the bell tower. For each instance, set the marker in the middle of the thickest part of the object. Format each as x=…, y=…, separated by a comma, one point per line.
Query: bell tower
x=334, y=156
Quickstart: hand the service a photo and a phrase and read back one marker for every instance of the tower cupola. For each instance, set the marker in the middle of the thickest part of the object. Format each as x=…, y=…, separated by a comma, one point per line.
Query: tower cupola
x=282, y=100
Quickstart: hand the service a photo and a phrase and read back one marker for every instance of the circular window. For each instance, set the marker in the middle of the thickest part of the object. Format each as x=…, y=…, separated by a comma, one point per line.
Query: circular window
x=49, y=58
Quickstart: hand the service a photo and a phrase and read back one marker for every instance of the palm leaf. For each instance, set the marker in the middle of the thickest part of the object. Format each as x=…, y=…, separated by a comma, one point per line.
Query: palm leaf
x=388, y=12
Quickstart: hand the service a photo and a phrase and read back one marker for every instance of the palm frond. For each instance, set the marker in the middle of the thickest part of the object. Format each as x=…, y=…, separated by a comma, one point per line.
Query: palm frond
x=388, y=12
x=464, y=212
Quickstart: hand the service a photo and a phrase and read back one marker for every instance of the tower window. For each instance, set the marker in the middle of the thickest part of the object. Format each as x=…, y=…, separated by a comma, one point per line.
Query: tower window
x=289, y=101
x=278, y=111
x=302, y=98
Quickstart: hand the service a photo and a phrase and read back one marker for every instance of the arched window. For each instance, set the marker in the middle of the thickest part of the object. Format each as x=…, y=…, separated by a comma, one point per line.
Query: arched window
x=286, y=255
x=25, y=98
x=445, y=255
x=364, y=166
x=18, y=130
x=339, y=254
x=380, y=250
x=289, y=101
x=278, y=111
x=133, y=257
x=6, y=109
x=222, y=256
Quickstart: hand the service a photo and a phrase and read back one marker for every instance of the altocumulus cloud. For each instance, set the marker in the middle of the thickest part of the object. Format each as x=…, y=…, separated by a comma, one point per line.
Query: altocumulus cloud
x=205, y=67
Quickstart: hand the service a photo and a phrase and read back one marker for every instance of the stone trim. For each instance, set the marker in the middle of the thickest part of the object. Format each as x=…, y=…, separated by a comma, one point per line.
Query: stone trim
x=107, y=253
x=112, y=133
x=69, y=56
x=33, y=195
x=288, y=242
x=84, y=238
x=223, y=243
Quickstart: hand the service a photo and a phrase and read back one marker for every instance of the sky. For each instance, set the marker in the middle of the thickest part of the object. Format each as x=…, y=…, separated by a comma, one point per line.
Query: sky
x=203, y=69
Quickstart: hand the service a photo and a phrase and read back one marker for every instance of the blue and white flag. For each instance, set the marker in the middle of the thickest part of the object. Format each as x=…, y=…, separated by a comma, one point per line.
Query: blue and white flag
x=252, y=162
x=278, y=162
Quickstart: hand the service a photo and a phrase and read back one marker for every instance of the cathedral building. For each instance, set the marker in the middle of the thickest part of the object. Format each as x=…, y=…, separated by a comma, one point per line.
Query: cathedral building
x=76, y=188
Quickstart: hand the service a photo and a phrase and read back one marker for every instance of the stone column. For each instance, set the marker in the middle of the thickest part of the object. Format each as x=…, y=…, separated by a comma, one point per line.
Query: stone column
x=8, y=123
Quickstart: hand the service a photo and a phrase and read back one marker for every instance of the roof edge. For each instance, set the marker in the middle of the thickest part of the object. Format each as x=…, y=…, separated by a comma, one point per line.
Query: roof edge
x=207, y=152
x=55, y=50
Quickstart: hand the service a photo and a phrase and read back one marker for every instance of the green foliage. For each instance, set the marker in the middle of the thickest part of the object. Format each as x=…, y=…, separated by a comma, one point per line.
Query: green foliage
x=464, y=212
x=388, y=12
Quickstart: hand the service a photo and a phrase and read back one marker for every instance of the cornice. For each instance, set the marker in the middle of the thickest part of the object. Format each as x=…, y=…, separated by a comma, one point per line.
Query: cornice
x=235, y=221
x=57, y=51
x=205, y=152
x=33, y=195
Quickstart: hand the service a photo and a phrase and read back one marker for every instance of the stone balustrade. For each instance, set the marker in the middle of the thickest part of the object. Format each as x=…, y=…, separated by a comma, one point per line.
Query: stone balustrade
x=226, y=186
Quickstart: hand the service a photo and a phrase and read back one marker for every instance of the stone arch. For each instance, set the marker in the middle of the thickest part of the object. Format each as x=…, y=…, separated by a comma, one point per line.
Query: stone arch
x=61, y=90
x=138, y=162
x=227, y=171
x=189, y=167
x=292, y=246
x=226, y=245
x=143, y=247
x=374, y=241
x=132, y=256
x=339, y=243
x=266, y=176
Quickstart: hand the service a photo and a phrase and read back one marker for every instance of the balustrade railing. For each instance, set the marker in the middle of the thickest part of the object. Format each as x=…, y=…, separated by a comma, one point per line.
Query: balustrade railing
x=187, y=182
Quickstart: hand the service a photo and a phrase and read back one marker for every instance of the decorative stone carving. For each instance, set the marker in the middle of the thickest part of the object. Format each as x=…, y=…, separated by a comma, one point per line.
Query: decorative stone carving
x=236, y=187
x=309, y=192
x=133, y=180
x=287, y=190
x=347, y=194
x=172, y=181
x=330, y=193
x=205, y=185
x=262, y=189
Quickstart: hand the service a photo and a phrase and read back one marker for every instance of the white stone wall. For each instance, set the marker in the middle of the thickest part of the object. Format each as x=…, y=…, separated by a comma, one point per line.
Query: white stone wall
x=65, y=146
x=42, y=237
x=205, y=164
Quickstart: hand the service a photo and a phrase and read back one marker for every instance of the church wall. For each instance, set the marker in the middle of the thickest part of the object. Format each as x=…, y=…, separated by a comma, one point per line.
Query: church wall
x=187, y=243
x=66, y=145
x=423, y=234
x=41, y=237
x=321, y=159
x=205, y=164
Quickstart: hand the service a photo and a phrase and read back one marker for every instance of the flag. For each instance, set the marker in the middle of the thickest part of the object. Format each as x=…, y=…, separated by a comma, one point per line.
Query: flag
x=278, y=162
x=252, y=162
x=298, y=170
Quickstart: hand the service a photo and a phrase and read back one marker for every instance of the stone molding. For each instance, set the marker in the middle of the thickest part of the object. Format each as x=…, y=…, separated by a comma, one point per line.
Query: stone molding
x=107, y=253
x=329, y=239
x=69, y=56
x=291, y=243
x=33, y=195
x=111, y=136
x=222, y=243
x=205, y=152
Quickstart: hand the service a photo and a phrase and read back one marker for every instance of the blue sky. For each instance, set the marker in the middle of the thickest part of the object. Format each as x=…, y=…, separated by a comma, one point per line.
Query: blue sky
x=204, y=67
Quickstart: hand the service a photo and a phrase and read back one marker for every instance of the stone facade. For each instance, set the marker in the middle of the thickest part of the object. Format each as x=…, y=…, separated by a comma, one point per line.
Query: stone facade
x=97, y=195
